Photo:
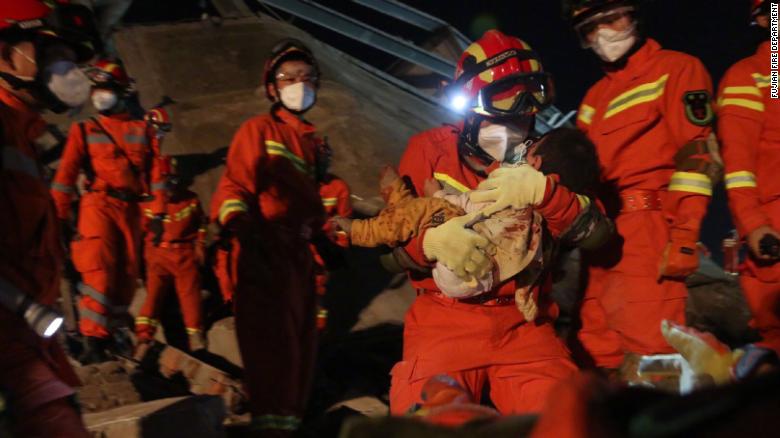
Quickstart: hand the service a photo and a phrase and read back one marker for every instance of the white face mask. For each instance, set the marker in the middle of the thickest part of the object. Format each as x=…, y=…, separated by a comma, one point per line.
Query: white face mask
x=68, y=83
x=298, y=96
x=104, y=100
x=497, y=139
x=611, y=44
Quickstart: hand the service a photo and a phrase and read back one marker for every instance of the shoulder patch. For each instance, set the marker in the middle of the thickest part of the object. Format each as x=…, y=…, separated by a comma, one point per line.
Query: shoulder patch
x=698, y=107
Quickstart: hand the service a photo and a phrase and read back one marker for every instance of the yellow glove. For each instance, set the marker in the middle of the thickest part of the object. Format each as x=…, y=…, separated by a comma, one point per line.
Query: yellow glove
x=516, y=187
x=459, y=248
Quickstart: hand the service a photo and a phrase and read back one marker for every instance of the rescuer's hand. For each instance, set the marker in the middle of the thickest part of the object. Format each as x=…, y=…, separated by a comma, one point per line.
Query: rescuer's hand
x=680, y=257
x=516, y=187
x=754, y=241
x=458, y=247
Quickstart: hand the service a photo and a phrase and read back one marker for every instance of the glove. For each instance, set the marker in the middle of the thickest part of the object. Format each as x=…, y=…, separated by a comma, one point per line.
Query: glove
x=457, y=247
x=515, y=187
x=680, y=257
x=525, y=304
x=156, y=228
x=755, y=237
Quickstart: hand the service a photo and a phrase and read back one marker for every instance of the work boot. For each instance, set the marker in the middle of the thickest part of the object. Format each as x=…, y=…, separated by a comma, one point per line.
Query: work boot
x=95, y=351
x=196, y=341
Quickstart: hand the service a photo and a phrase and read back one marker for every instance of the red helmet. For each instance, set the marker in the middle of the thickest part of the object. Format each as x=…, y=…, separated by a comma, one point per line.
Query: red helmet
x=106, y=73
x=160, y=118
x=71, y=24
x=500, y=75
x=284, y=50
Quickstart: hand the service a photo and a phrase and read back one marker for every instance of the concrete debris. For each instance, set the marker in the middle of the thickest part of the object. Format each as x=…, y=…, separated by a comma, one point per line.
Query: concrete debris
x=106, y=386
x=222, y=340
x=202, y=377
x=194, y=416
x=368, y=406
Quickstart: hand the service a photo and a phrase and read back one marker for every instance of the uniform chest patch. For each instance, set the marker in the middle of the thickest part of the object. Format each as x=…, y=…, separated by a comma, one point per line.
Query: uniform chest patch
x=698, y=107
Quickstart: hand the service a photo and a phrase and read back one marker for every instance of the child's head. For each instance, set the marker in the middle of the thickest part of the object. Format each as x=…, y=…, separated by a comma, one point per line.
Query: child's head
x=568, y=153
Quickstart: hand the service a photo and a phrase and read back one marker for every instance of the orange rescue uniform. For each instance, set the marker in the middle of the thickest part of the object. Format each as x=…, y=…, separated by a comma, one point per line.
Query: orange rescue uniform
x=639, y=119
x=479, y=340
x=35, y=377
x=269, y=185
x=749, y=129
x=334, y=192
x=174, y=261
x=120, y=159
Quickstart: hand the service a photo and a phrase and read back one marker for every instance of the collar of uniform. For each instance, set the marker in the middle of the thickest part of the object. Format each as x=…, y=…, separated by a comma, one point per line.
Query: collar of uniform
x=297, y=123
x=637, y=63
x=122, y=117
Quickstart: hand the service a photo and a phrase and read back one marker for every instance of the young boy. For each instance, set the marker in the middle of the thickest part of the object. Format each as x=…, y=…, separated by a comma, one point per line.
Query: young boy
x=515, y=234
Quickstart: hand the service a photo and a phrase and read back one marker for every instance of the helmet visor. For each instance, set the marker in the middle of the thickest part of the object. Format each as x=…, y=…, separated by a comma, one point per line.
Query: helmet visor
x=608, y=18
x=518, y=94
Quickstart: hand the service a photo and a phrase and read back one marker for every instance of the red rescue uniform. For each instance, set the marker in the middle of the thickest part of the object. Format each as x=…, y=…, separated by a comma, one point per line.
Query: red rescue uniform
x=477, y=343
x=35, y=377
x=749, y=129
x=120, y=159
x=638, y=118
x=174, y=261
x=334, y=192
x=269, y=180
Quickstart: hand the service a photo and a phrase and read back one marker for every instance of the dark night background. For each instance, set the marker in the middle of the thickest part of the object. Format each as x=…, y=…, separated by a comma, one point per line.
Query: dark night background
x=715, y=31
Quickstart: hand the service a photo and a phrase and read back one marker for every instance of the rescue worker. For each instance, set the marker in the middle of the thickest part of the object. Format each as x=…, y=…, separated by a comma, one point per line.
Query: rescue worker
x=37, y=71
x=268, y=202
x=119, y=157
x=174, y=256
x=749, y=128
x=335, y=195
x=500, y=81
x=649, y=117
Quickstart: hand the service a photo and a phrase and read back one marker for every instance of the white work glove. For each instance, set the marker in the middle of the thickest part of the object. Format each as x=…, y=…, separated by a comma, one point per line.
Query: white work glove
x=458, y=247
x=516, y=187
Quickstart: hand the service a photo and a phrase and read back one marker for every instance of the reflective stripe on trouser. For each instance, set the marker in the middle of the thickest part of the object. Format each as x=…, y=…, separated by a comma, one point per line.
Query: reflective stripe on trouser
x=171, y=268
x=275, y=422
x=275, y=297
x=106, y=257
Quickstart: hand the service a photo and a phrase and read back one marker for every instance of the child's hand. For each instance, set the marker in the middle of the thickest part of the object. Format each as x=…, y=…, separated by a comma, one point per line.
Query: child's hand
x=387, y=176
x=430, y=187
x=526, y=304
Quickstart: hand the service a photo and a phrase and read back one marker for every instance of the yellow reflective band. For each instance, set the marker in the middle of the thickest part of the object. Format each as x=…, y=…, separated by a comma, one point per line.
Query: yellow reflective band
x=142, y=320
x=148, y=213
x=192, y=331
x=586, y=114
x=275, y=422
x=231, y=206
x=278, y=149
x=185, y=212
x=635, y=96
x=745, y=103
x=742, y=90
x=583, y=200
x=443, y=177
x=691, y=182
x=761, y=80
x=330, y=202
x=742, y=178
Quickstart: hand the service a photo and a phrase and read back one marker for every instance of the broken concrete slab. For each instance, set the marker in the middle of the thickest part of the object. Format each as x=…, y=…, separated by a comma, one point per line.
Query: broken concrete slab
x=222, y=340
x=195, y=416
x=368, y=406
